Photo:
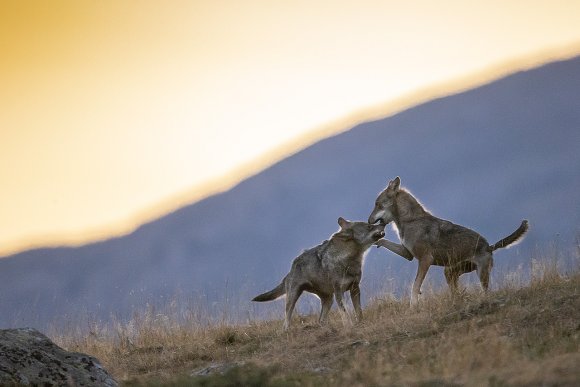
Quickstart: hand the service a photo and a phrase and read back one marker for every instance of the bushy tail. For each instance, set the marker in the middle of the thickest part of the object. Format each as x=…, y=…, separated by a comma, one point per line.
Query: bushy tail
x=278, y=291
x=512, y=238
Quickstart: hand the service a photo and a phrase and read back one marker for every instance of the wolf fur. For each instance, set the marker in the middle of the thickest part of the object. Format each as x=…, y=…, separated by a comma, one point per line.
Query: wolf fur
x=435, y=241
x=328, y=270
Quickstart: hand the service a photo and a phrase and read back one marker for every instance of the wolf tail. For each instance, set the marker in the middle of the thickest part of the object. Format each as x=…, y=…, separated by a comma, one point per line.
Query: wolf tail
x=278, y=291
x=512, y=238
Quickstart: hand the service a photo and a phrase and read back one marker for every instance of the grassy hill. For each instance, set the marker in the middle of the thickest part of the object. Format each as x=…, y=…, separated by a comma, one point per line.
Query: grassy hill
x=521, y=334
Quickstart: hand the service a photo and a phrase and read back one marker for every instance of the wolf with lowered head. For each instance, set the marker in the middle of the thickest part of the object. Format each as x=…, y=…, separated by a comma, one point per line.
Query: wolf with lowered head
x=329, y=269
x=435, y=241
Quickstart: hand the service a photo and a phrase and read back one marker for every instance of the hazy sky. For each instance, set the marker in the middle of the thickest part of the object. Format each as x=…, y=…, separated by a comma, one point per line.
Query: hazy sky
x=112, y=112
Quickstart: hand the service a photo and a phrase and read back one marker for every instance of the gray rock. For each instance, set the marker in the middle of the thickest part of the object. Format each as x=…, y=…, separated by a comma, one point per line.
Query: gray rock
x=322, y=370
x=217, y=368
x=360, y=343
x=27, y=357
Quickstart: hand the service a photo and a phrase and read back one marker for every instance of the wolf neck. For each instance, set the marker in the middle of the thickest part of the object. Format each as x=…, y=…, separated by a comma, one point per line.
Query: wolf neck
x=346, y=244
x=407, y=208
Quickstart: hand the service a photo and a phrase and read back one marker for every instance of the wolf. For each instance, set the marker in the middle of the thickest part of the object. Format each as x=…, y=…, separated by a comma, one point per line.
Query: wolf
x=331, y=268
x=435, y=241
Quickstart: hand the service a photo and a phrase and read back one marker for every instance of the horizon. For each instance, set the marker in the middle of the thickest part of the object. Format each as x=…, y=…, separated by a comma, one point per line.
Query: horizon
x=129, y=209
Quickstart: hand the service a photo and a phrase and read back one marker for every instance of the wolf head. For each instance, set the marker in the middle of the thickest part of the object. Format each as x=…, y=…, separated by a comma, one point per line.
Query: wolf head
x=361, y=232
x=385, y=204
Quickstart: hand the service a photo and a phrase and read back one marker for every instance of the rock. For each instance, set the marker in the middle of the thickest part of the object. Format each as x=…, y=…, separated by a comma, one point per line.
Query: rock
x=360, y=343
x=27, y=357
x=217, y=368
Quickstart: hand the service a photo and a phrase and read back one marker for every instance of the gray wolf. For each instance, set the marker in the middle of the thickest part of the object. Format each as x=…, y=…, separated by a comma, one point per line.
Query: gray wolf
x=331, y=268
x=435, y=241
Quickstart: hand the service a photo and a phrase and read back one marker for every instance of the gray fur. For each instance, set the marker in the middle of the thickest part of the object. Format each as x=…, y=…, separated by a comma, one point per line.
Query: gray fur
x=329, y=269
x=435, y=241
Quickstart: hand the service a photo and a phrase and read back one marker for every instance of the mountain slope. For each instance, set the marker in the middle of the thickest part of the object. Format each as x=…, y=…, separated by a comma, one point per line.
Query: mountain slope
x=485, y=158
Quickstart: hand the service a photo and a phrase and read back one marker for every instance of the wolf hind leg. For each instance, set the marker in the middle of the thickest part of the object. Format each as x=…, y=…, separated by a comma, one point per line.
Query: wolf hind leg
x=452, y=278
x=484, y=265
x=292, y=296
x=343, y=313
x=452, y=274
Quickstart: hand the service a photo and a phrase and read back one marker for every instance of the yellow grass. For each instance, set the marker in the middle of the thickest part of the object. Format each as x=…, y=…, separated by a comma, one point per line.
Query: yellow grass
x=522, y=334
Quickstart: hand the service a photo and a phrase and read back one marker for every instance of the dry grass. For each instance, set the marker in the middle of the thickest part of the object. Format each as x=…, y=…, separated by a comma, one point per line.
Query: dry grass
x=518, y=335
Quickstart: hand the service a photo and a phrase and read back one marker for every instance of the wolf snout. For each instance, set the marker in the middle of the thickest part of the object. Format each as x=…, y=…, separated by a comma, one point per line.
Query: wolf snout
x=375, y=221
x=379, y=234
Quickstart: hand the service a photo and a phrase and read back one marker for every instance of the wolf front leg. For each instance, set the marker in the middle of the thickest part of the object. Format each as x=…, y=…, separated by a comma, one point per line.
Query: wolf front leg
x=395, y=248
x=355, y=297
x=424, y=263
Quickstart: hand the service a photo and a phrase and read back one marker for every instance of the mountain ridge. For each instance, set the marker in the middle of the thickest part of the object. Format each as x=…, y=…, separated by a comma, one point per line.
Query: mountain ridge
x=377, y=112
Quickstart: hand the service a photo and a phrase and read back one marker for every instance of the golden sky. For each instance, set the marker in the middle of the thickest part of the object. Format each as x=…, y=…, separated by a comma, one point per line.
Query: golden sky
x=114, y=111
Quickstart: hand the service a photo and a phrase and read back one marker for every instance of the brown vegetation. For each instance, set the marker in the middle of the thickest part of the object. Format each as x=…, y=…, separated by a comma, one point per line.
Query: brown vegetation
x=517, y=335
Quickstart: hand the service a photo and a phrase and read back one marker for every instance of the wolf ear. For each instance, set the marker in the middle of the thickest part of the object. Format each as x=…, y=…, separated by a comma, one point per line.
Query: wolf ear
x=394, y=184
x=343, y=223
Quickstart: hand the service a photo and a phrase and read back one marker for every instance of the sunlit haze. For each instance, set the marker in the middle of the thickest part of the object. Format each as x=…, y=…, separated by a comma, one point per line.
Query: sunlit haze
x=114, y=112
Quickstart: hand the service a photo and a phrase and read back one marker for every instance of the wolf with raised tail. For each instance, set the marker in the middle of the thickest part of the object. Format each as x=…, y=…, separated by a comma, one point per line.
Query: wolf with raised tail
x=435, y=241
x=328, y=270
